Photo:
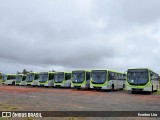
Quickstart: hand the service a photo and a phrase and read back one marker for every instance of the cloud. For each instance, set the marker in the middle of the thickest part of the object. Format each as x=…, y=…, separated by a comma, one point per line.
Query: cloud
x=78, y=34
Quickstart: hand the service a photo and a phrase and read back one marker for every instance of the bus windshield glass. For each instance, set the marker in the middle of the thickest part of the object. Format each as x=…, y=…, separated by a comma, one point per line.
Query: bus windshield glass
x=59, y=77
x=99, y=76
x=78, y=76
x=137, y=77
x=30, y=77
x=43, y=77
x=19, y=78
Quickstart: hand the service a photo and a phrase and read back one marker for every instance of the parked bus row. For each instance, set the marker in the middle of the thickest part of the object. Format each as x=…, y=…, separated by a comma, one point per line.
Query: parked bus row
x=133, y=80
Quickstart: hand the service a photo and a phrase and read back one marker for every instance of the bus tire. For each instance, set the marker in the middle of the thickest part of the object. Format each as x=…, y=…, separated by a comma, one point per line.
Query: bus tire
x=13, y=83
x=97, y=89
x=133, y=92
x=152, y=88
x=156, y=89
x=78, y=88
x=112, y=87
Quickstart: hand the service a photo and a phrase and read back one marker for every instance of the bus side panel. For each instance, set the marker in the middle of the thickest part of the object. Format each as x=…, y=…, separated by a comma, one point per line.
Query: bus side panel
x=67, y=83
x=49, y=83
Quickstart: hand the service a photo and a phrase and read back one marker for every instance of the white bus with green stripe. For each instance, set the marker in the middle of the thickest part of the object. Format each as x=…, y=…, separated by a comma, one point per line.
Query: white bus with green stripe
x=46, y=79
x=107, y=80
x=21, y=79
x=10, y=79
x=80, y=79
x=142, y=79
x=62, y=79
x=32, y=79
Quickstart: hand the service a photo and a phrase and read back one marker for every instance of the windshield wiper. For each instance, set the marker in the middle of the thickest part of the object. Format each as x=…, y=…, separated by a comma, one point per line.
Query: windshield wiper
x=98, y=75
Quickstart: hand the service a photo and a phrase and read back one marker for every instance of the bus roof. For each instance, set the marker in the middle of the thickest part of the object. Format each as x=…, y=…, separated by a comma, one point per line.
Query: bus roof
x=109, y=71
x=62, y=72
x=21, y=74
x=34, y=72
x=11, y=74
x=81, y=70
x=45, y=72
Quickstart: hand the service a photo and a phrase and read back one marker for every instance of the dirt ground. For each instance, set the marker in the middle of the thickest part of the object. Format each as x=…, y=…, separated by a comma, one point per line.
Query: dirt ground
x=15, y=98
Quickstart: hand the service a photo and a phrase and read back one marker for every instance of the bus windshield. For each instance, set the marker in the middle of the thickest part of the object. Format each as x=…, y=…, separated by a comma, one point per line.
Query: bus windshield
x=99, y=76
x=137, y=77
x=30, y=77
x=78, y=76
x=43, y=77
x=19, y=78
x=59, y=77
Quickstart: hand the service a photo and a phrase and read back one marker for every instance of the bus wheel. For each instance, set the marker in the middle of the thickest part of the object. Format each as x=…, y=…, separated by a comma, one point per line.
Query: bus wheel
x=78, y=88
x=156, y=89
x=133, y=92
x=152, y=88
x=97, y=89
x=13, y=83
x=112, y=87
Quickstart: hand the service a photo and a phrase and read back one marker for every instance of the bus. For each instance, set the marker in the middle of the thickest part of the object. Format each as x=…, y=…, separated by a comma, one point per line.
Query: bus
x=62, y=79
x=21, y=79
x=142, y=79
x=80, y=79
x=10, y=79
x=32, y=79
x=107, y=80
x=46, y=79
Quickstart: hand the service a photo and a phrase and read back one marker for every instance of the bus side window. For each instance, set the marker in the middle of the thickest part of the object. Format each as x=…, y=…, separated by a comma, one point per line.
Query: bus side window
x=51, y=76
x=67, y=76
x=151, y=75
x=110, y=76
x=87, y=75
x=115, y=76
x=24, y=78
x=124, y=76
x=36, y=76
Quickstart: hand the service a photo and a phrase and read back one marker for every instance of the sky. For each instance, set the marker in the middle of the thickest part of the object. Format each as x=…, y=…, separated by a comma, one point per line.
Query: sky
x=66, y=35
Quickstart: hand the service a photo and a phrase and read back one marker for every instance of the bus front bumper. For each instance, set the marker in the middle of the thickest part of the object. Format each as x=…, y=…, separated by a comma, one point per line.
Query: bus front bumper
x=147, y=88
x=99, y=86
